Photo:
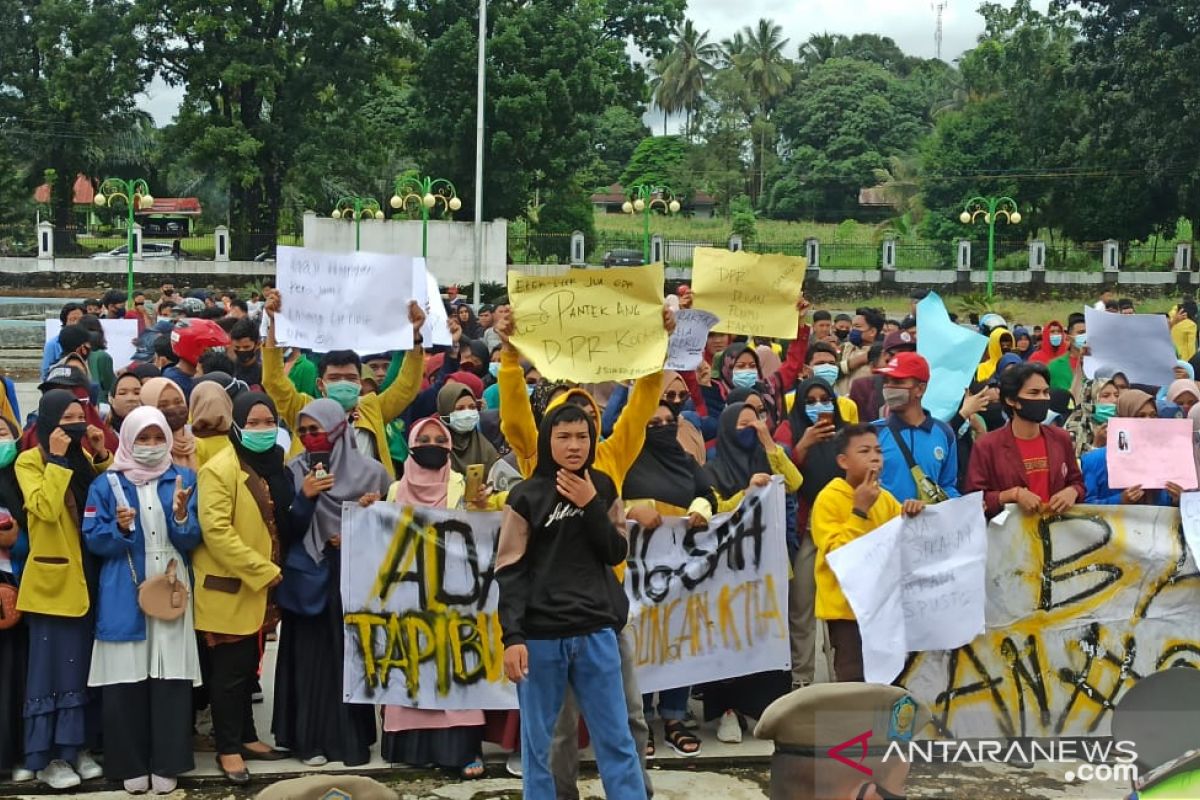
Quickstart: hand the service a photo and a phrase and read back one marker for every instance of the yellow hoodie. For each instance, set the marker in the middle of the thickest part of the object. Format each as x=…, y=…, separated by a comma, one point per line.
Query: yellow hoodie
x=987, y=368
x=834, y=524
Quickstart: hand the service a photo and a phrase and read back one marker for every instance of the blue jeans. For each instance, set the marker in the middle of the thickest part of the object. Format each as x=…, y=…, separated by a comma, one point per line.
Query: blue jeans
x=672, y=704
x=588, y=664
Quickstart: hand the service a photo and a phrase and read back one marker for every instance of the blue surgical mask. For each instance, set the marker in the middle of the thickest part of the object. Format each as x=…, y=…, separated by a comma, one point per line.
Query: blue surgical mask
x=1055, y=339
x=815, y=410
x=494, y=368
x=1081, y=340
x=746, y=438
x=744, y=378
x=827, y=372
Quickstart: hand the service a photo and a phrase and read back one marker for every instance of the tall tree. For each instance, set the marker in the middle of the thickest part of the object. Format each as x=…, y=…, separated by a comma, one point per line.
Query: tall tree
x=765, y=70
x=821, y=47
x=687, y=70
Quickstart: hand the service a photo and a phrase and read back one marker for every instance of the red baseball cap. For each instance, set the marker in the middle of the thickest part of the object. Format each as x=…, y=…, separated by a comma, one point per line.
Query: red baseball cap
x=906, y=365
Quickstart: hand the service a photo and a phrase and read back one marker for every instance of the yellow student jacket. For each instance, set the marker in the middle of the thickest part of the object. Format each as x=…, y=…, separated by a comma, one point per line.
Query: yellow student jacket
x=232, y=565
x=53, y=582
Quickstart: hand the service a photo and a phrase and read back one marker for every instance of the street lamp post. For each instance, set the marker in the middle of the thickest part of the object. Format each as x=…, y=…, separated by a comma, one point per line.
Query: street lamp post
x=990, y=207
x=644, y=198
x=358, y=209
x=136, y=195
x=426, y=192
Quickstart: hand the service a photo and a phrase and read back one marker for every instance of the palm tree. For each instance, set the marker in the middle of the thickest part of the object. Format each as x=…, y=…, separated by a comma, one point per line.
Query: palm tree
x=821, y=47
x=662, y=90
x=765, y=68
x=688, y=68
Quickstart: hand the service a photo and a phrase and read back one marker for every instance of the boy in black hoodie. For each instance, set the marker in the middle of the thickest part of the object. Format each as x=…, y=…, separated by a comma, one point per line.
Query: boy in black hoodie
x=561, y=605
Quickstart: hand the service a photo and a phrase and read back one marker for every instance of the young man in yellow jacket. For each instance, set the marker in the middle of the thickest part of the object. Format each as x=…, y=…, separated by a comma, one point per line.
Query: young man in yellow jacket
x=340, y=379
x=847, y=509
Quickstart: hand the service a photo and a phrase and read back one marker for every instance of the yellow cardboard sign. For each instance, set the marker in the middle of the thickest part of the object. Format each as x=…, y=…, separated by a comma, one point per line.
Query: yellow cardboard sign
x=752, y=294
x=591, y=325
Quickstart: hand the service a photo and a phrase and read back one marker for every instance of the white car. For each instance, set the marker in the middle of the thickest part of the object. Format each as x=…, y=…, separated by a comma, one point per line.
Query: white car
x=150, y=250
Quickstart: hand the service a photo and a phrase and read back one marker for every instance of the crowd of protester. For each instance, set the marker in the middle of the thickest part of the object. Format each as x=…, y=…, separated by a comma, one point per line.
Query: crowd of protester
x=161, y=520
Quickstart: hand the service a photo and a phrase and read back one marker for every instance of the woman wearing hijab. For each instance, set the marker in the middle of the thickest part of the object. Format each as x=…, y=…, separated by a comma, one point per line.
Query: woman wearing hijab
x=1135, y=404
x=1184, y=394
x=74, y=381
x=1088, y=423
x=746, y=457
x=14, y=641
x=165, y=395
x=459, y=409
x=126, y=395
x=57, y=586
x=142, y=523
x=452, y=740
x=212, y=416
x=1022, y=342
x=310, y=718
x=666, y=481
x=1054, y=344
x=100, y=363
x=249, y=507
x=1000, y=343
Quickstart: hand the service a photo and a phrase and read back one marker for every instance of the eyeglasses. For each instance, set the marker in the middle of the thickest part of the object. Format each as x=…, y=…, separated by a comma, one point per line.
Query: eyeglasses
x=675, y=397
x=659, y=423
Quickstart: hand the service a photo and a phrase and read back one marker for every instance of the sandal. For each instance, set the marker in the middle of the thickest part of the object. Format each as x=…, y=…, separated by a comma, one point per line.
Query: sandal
x=474, y=770
x=682, y=741
x=650, y=743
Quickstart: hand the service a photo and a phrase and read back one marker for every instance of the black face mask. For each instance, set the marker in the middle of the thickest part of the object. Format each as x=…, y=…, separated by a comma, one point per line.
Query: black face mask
x=662, y=435
x=1033, y=410
x=430, y=456
x=247, y=356
x=841, y=334
x=676, y=408
x=75, y=430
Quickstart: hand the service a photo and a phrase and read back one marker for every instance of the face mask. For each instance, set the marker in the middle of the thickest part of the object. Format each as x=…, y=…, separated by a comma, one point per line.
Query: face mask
x=896, y=397
x=827, y=372
x=345, y=393
x=8, y=452
x=746, y=438
x=176, y=417
x=75, y=430
x=430, y=456
x=529, y=389
x=464, y=421
x=317, y=442
x=150, y=455
x=248, y=356
x=744, y=378
x=815, y=410
x=1103, y=412
x=1033, y=410
x=1055, y=339
x=676, y=409
x=841, y=334
x=662, y=435
x=259, y=441
x=494, y=369
x=1081, y=340
x=855, y=337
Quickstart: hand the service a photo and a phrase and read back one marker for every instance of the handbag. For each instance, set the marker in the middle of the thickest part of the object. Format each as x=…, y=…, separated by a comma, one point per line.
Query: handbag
x=927, y=489
x=164, y=596
x=9, y=615
x=304, y=588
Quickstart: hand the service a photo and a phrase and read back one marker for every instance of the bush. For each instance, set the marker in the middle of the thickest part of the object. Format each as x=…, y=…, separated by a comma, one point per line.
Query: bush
x=743, y=220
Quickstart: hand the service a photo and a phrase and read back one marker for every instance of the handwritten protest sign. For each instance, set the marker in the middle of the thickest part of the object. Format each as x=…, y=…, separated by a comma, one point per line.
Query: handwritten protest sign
x=952, y=352
x=591, y=325
x=750, y=294
x=344, y=301
x=420, y=600
x=686, y=345
x=1150, y=453
x=1138, y=345
x=119, y=335
x=916, y=584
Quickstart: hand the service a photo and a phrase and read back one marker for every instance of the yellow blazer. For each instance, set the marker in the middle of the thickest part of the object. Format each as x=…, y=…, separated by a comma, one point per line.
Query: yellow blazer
x=53, y=582
x=233, y=564
x=209, y=446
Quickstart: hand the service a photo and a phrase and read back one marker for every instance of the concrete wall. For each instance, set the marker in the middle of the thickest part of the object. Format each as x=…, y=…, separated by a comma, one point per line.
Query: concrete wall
x=451, y=244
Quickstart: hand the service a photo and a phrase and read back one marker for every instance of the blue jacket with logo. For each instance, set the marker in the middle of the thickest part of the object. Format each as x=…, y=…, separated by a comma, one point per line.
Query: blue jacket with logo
x=934, y=448
x=118, y=617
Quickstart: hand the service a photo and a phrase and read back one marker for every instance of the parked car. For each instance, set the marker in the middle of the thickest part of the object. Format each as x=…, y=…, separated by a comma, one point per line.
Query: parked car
x=623, y=258
x=150, y=250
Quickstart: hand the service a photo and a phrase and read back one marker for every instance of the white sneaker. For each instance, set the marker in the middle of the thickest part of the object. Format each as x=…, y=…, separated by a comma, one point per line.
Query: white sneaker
x=58, y=775
x=315, y=761
x=87, y=767
x=138, y=785
x=730, y=729
x=162, y=785
x=513, y=765
x=22, y=775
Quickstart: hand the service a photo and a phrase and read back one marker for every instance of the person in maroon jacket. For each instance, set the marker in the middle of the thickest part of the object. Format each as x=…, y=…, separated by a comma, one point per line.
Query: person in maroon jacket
x=1026, y=462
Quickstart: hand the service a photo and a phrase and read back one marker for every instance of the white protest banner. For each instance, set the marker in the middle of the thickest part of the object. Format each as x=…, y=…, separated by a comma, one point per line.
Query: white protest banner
x=1150, y=453
x=344, y=301
x=916, y=583
x=436, y=330
x=1189, y=512
x=119, y=336
x=420, y=602
x=1138, y=345
x=686, y=345
x=710, y=604
x=1080, y=607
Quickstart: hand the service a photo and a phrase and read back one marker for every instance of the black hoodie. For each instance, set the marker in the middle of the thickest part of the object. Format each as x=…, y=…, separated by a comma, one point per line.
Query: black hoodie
x=554, y=560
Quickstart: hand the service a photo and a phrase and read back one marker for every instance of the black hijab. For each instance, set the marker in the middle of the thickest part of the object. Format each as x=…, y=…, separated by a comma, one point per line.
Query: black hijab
x=820, y=466
x=665, y=472
x=481, y=353
x=731, y=469
x=53, y=405
x=269, y=465
x=11, y=496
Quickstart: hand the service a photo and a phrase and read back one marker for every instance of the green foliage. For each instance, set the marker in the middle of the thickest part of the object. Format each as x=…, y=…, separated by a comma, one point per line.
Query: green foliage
x=656, y=162
x=568, y=209
x=743, y=220
x=618, y=133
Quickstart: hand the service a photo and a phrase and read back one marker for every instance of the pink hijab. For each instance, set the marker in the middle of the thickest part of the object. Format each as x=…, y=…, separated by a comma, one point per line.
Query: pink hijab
x=420, y=486
x=137, y=421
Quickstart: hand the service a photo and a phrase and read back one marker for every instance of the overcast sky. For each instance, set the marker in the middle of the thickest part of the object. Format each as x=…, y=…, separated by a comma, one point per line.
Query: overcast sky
x=909, y=22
